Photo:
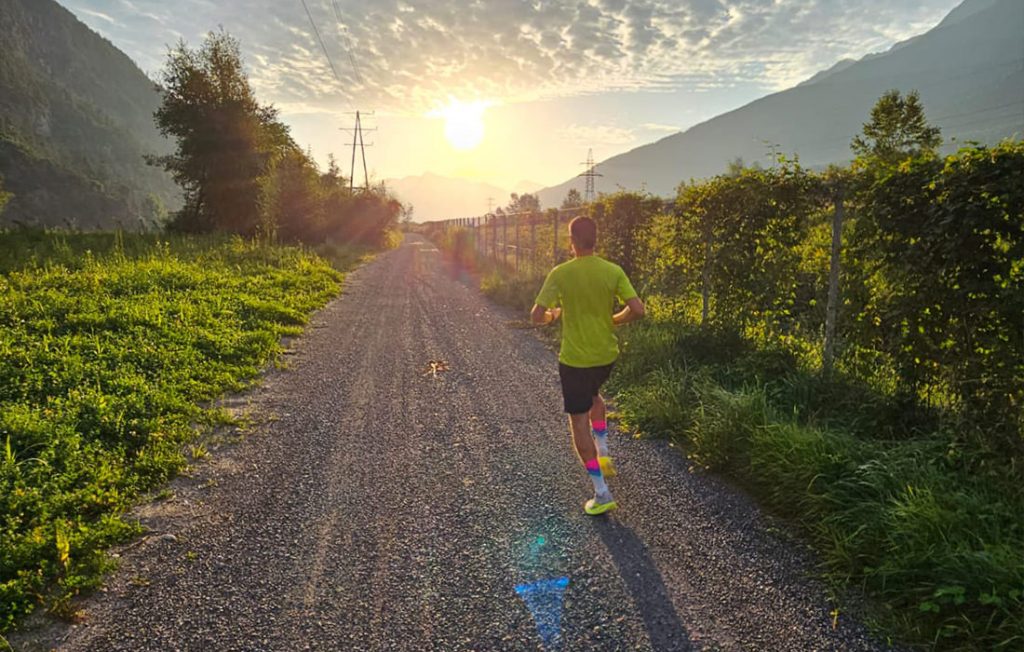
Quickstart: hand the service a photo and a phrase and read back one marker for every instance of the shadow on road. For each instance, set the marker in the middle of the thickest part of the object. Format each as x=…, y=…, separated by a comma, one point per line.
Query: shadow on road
x=645, y=584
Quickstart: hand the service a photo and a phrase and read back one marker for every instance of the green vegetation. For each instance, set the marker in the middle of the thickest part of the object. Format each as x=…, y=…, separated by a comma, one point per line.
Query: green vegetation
x=110, y=346
x=240, y=169
x=903, y=461
x=76, y=119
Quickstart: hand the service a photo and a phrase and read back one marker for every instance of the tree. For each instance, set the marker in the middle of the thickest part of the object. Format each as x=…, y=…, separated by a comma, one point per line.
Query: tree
x=573, y=199
x=898, y=130
x=291, y=201
x=523, y=203
x=225, y=137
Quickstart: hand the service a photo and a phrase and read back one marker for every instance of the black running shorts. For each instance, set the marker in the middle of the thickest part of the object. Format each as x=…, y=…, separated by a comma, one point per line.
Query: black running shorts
x=580, y=385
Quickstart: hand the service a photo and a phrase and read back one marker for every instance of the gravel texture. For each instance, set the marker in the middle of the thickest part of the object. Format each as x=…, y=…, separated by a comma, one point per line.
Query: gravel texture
x=378, y=507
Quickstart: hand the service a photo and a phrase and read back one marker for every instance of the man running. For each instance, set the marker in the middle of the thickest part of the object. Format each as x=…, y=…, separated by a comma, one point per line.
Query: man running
x=583, y=292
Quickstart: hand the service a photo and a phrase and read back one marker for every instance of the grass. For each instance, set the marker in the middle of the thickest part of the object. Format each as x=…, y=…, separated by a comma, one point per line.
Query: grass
x=110, y=345
x=931, y=530
x=899, y=500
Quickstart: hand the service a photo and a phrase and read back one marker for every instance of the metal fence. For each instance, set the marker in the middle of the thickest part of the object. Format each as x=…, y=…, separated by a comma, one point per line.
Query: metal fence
x=528, y=243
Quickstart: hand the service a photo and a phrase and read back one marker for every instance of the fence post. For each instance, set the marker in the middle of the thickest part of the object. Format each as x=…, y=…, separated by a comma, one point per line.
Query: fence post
x=518, y=219
x=832, y=309
x=554, y=245
x=705, y=280
x=504, y=240
x=533, y=244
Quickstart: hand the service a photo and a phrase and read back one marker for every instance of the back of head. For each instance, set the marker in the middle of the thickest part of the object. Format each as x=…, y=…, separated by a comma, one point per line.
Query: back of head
x=583, y=232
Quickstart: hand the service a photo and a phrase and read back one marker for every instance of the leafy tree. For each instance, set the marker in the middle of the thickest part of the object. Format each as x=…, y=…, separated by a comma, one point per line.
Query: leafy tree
x=291, y=198
x=944, y=241
x=739, y=238
x=623, y=221
x=573, y=199
x=225, y=137
x=897, y=131
x=523, y=203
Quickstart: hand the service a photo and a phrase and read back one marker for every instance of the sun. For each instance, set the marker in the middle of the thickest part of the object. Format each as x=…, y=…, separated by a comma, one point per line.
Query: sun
x=463, y=123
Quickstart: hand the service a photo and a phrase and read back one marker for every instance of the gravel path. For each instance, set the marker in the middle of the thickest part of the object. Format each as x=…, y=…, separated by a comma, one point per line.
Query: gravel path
x=378, y=508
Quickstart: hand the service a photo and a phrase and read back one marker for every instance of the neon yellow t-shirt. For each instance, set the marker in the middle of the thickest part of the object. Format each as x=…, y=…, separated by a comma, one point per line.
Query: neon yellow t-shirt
x=586, y=288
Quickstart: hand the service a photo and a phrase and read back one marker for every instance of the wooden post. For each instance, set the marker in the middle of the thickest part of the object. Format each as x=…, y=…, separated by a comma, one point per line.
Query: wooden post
x=504, y=240
x=554, y=230
x=705, y=281
x=832, y=309
x=518, y=219
x=533, y=244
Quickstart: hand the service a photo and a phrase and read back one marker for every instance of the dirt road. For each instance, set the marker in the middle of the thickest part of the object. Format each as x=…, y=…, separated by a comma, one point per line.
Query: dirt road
x=380, y=506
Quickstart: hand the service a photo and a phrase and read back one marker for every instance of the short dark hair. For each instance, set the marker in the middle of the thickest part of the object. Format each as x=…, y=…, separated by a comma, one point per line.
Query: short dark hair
x=583, y=231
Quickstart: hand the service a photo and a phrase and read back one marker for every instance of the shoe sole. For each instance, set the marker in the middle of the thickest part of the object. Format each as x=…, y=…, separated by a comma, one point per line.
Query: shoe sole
x=603, y=508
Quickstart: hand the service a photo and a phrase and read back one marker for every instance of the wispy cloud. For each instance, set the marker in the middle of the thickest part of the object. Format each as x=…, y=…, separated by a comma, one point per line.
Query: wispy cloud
x=589, y=135
x=659, y=128
x=410, y=53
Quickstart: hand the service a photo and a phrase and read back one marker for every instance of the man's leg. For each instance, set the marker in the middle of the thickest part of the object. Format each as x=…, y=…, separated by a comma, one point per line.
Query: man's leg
x=577, y=390
x=598, y=414
x=583, y=442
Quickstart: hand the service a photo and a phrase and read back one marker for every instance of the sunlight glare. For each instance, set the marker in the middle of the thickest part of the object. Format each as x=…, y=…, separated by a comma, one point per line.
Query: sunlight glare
x=464, y=123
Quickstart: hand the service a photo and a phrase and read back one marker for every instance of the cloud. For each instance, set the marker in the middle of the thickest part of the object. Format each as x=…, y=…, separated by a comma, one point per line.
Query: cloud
x=659, y=128
x=410, y=54
x=596, y=135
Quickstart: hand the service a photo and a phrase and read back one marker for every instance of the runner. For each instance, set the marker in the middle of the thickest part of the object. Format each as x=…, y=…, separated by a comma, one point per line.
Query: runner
x=585, y=289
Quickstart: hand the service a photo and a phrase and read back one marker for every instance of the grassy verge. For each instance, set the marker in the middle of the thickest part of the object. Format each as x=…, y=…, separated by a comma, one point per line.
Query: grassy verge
x=931, y=530
x=109, y=345
x=898, y=502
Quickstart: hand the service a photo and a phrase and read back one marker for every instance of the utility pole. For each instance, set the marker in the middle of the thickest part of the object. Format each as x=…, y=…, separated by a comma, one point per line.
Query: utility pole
x=589, y=174
x=357, y=141
x=490, y=204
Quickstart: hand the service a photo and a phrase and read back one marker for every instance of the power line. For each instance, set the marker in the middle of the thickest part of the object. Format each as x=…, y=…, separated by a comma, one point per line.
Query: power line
x=348, y=42
x=322, y=46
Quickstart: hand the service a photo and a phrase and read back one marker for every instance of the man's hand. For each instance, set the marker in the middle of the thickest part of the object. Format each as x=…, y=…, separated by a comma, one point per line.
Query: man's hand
x=542, y=315
x=633, y=311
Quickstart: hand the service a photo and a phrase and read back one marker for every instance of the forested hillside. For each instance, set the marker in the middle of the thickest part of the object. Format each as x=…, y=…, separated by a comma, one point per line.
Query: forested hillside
x=969, y=70
x=76, y=120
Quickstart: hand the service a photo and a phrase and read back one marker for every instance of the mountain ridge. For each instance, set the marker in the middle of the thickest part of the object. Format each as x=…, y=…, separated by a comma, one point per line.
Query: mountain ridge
x=817, y=119
x=76, y=120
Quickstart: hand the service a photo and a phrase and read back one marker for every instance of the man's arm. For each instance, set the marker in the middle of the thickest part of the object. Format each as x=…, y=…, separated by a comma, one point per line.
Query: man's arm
x=542, y=315
x=633, y=311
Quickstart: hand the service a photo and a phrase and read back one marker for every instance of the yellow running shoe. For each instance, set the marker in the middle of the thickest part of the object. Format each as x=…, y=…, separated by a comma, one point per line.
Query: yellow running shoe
x=595, y=508
x=607, y=467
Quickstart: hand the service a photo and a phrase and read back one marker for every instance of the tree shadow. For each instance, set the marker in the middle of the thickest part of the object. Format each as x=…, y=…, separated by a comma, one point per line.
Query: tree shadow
x=644, y=582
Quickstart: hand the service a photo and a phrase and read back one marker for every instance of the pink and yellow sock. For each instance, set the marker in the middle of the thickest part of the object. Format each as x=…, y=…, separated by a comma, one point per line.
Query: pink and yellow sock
x=594, y=471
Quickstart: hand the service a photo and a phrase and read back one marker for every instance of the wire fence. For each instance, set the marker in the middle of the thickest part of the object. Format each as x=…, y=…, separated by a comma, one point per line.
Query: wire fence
x=525, y=243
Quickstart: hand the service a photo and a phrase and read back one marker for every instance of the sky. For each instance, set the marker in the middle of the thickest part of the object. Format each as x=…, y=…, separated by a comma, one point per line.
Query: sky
x=524, y=87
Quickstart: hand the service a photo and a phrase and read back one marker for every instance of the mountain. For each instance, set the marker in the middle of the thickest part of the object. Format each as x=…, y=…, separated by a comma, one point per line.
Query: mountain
x=434, y=197
x=969, y=70
x=76, y=120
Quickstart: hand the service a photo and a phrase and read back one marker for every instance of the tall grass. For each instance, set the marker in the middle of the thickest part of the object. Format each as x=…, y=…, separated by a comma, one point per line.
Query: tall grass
x=933, y=531
x=109, y=345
